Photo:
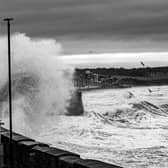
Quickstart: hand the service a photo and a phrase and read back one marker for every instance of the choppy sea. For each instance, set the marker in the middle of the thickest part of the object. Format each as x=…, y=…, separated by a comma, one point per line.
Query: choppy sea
x=126, y=127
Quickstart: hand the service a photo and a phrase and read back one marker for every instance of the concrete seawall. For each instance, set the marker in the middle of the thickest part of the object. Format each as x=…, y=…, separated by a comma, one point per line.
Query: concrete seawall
x=28, y=153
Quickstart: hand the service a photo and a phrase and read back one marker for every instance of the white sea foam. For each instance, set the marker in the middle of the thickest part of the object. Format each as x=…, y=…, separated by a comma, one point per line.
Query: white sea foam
x=99, y=134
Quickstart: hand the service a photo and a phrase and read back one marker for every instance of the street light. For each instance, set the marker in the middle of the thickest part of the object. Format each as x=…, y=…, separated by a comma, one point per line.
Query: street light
x=10, y=90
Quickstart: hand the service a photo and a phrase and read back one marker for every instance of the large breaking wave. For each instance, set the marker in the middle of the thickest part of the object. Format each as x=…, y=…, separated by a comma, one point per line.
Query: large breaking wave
x=41, y=84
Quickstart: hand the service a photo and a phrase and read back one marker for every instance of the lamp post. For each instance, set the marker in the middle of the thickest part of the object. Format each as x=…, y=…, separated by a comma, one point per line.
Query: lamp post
x=10, y=91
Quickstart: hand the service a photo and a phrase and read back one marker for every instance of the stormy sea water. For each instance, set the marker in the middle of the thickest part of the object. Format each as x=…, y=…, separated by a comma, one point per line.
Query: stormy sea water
x=126, y=127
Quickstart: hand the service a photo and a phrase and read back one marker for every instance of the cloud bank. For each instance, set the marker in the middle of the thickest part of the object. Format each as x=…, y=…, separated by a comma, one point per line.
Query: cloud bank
x=123, y=21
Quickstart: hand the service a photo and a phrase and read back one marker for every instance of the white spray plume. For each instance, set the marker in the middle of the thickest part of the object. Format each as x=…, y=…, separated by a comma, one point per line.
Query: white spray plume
x=42, y=85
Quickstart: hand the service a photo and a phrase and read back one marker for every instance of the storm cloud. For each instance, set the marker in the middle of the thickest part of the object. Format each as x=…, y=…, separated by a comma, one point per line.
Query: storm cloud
x=107, y=20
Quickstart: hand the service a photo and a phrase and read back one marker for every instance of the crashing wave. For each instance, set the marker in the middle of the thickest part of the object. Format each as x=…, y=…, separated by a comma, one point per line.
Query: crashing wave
x=133, y=114
x=24, y=84
x=27, y=86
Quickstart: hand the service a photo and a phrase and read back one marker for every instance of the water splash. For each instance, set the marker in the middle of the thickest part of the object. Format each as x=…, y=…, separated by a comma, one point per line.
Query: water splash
x=41, y=83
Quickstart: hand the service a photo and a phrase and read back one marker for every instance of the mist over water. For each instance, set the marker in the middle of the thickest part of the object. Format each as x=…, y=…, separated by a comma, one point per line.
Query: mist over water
x=41, y=84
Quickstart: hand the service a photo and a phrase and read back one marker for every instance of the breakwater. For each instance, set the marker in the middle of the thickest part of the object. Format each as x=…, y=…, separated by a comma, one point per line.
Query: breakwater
x=28, y=153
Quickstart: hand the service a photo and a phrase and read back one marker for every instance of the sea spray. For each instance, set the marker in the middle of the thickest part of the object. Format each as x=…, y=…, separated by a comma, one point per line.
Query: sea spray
x=41, y=84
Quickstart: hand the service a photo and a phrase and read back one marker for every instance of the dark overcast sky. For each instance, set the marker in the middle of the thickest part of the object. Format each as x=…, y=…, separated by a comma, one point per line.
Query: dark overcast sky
x=93, y=25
